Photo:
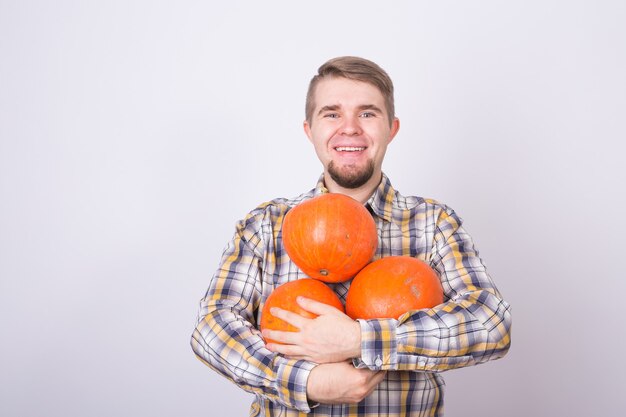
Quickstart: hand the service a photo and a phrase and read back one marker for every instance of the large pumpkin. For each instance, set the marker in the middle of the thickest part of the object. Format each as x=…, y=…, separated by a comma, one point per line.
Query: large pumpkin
x=330, y=237
x=284, y=296
x=391, y=286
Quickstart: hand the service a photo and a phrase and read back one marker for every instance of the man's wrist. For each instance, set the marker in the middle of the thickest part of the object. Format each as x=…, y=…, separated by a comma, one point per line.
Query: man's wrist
x=356, y=341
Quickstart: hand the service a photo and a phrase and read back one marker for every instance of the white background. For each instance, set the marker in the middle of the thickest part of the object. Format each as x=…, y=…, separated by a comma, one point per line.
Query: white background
x=135, y=133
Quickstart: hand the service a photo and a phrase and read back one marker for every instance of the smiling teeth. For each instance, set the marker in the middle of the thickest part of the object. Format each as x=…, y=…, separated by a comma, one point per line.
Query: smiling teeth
x=349, y=148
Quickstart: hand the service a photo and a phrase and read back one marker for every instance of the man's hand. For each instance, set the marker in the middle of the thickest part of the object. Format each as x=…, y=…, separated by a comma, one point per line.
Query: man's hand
x=341, y=383
x=330, y=337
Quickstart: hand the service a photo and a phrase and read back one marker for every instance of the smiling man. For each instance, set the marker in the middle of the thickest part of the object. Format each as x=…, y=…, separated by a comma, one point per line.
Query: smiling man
x=350, y=126
x=336, y=366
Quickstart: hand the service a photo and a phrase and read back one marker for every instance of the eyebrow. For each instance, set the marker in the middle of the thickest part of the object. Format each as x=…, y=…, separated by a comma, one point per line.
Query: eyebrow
x=331, y=107
x=334, y=107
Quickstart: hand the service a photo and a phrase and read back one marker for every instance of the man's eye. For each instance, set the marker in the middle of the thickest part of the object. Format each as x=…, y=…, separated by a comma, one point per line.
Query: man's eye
x=331, y=115
x=368, y=114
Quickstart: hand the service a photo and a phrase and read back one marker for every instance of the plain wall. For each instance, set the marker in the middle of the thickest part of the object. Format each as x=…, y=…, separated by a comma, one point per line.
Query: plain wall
x=134, y=134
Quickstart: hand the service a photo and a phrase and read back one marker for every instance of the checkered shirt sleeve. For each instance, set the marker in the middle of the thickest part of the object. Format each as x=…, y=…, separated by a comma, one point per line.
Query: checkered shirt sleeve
x=471, y=327
x=226, y=338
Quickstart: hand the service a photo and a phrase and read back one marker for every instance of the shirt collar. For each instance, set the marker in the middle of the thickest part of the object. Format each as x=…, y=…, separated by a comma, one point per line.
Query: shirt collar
x=381, y=201
x=320, y=188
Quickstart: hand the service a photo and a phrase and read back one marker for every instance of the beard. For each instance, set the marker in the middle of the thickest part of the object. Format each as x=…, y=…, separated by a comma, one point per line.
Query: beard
x=351, y=177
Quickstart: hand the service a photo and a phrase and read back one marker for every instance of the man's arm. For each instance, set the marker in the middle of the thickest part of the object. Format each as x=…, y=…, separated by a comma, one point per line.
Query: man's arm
x=225, y=337
x=471, y=327
x=341, y=383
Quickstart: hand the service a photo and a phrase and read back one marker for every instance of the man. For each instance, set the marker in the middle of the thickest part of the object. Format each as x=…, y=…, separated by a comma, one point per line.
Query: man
x=335, y=366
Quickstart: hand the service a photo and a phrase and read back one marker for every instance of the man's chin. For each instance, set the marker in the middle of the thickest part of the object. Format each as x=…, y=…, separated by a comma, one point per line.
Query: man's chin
x=351, y=178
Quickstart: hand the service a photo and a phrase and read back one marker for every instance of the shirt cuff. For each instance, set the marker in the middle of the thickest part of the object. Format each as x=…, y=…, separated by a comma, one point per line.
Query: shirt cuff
x=378, y=345
x=292, y=378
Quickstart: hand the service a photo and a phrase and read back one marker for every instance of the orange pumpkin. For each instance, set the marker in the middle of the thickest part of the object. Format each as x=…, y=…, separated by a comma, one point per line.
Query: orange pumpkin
x=284, y=296
x=391, y=286
x=330, y=237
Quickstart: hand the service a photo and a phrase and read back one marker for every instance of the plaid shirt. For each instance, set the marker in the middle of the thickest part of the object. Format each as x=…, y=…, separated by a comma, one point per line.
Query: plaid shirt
x=472, y=326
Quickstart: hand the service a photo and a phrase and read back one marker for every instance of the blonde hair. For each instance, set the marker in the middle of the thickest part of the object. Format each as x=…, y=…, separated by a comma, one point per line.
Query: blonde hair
x=353, y=68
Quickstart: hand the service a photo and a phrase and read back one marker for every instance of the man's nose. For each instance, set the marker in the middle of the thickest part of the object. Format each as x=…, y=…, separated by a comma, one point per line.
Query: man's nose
x=351, y=126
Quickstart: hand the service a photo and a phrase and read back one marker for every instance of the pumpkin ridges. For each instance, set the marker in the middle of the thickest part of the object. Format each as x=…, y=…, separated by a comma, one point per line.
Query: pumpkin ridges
x=314, y=236
x=294, y=251
x=284, y=296
x=391, y=286
x=319, y=238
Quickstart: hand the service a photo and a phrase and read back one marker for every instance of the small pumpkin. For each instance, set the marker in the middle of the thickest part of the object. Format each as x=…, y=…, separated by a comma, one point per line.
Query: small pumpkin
x=284, y=296
x=330, y=237
x=391, y=286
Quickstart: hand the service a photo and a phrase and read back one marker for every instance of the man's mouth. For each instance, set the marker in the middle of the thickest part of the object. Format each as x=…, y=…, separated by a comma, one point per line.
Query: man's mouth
x=349, y=148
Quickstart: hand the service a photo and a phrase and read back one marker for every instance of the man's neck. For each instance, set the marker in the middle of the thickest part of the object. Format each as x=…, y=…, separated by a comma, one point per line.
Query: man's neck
x=361, y=194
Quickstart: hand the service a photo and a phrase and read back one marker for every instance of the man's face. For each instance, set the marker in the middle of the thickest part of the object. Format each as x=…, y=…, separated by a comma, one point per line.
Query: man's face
x=350, y=131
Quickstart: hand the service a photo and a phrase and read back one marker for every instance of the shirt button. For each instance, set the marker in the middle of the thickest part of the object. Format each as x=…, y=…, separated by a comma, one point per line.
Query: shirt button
x=378, y=361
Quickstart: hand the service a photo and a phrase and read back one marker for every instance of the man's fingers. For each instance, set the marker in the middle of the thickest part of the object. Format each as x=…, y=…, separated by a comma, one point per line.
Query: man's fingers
x=287, y=350
x=316, y=307
x=308, y=304
x=289, y=338
x=341, y=383
x=288, y=316
x=290, y=351
x=378, y=378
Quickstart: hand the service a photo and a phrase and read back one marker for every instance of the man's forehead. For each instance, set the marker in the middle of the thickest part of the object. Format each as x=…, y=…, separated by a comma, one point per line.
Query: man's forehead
x=338, y=91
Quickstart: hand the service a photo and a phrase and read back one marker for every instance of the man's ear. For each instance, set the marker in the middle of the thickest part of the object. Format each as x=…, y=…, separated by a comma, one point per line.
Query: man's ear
x=307, y=130
x=395, y=126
